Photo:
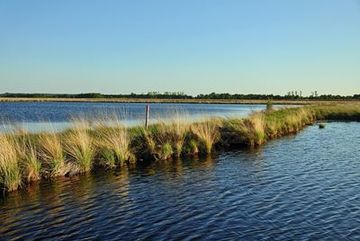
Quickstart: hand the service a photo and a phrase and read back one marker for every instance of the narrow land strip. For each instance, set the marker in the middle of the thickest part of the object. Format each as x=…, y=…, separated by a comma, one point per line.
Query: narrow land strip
x=26, y=158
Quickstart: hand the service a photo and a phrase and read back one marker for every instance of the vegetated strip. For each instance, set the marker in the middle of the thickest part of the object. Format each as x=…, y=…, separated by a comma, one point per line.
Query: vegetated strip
x=26, y=158
x=281, y=101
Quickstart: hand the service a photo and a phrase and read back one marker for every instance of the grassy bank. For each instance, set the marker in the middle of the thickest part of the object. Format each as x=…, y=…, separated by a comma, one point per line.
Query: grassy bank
x=26, y=158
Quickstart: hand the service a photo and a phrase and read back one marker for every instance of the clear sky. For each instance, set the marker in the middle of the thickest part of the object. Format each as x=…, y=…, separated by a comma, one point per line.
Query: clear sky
x=195, y=46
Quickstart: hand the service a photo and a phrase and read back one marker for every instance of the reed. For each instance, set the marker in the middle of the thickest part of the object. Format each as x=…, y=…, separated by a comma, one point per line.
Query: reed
x=10, y=171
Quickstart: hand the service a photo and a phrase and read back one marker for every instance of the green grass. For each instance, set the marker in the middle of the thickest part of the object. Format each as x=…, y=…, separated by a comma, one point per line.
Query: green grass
x=114, y=145
x=340, y=112
x=25, y=158
x=79, y=147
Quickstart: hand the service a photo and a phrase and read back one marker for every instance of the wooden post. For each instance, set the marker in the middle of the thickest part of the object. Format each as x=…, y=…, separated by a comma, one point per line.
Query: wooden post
x=147, y=115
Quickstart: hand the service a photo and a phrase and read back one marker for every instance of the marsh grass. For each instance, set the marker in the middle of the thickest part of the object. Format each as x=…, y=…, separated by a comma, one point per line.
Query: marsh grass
x=165, y=138
x=114, y=144
x=248, y=132
x=177, y=131
x=339, y=112
x=158, y=143
x=79, y=146
x=257, y=128
x=208, y=133
x=52, y=154
x=287, y=120
x=25, y=158
x=29, y=161
x=10, y=171
x=191, y=147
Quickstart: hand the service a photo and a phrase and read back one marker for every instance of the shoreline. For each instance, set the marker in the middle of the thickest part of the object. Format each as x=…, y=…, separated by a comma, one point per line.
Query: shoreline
x=26, y=158
x=178, y=101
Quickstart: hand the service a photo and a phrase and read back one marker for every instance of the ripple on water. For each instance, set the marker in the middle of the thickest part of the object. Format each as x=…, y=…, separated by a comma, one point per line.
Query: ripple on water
x=300, y=187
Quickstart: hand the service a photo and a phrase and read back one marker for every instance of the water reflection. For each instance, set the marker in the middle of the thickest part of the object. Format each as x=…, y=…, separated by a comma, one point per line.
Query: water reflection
x=285, y=190
x=174, y=168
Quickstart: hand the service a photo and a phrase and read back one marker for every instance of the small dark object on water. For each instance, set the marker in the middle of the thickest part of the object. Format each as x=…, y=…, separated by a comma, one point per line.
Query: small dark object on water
x=321, y=126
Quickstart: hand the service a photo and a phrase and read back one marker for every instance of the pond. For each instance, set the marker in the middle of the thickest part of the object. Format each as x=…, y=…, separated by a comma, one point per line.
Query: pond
x=45, y=116
x=303, y=187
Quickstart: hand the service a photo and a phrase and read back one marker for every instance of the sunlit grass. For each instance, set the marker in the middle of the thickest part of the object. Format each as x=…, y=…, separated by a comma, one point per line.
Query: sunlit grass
x=157, y=142
x=10, y=172
x=207, y=133
x=52, y=154
x=114, y=144
x=25, y=158
x=177, y=130
x=29, y=161
x=79, y=147
x=249, y=132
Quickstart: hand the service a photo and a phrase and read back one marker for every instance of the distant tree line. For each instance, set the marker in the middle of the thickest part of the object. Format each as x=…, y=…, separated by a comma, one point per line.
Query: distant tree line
x=275, y=97
x=182, y=95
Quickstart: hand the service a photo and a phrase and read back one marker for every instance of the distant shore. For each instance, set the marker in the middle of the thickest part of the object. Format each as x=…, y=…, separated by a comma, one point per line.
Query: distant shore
x=183, y=101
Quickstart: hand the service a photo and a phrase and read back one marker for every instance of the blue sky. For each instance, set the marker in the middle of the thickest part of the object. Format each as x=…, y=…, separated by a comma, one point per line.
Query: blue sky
x=195, y=46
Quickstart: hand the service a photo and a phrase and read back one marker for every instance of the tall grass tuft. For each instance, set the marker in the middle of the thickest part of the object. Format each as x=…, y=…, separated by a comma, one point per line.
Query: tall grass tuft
x=177, y=131
x=157, y=142
x=79, y=146
x=52, y=153
x=10, y=172
x=191, y=147
x=170, y=136
x=29, y=161
x=207, y=133
x=258, y=129
x=115, y=145
x=248, y=132
x=166, y=138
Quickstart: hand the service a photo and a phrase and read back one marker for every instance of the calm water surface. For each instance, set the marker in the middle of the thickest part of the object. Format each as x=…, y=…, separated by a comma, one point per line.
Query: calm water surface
x=304, y=187
x=40, y=116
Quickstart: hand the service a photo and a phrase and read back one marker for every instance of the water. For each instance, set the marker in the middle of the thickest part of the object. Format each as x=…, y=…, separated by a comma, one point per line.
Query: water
x=303, y=187
x=42, y=116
